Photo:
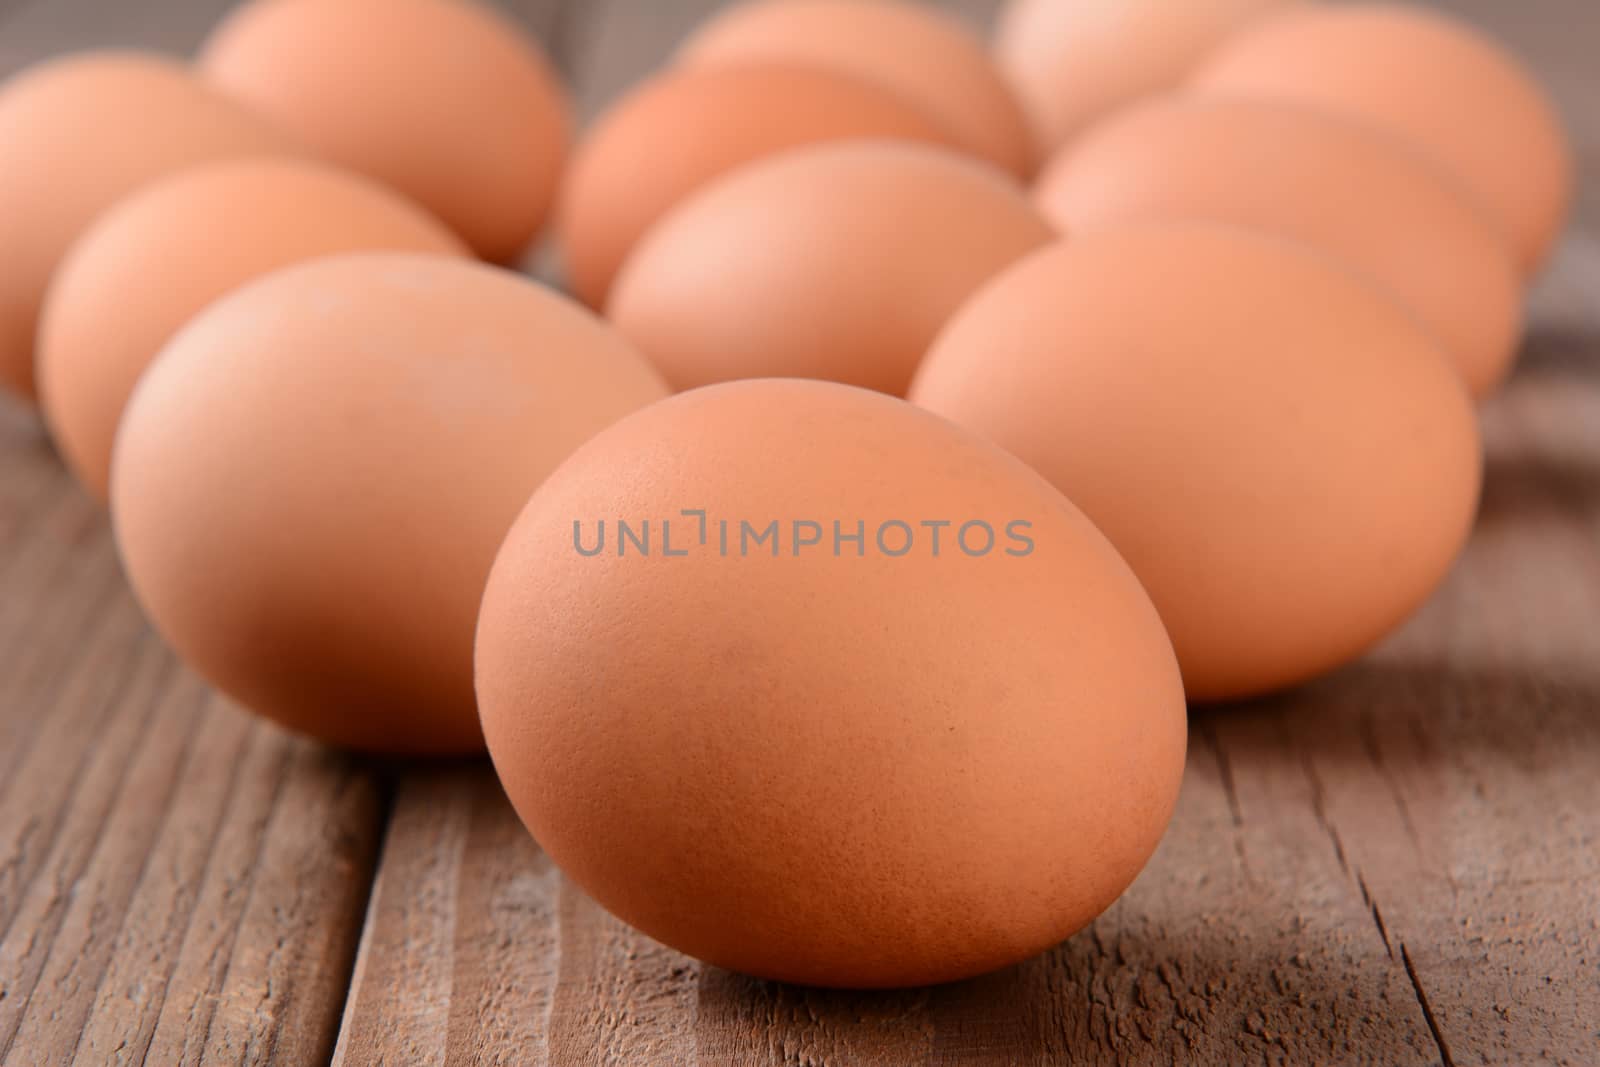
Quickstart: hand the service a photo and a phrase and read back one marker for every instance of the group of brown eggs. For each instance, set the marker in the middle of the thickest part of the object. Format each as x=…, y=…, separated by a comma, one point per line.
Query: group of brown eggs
x=800, y=677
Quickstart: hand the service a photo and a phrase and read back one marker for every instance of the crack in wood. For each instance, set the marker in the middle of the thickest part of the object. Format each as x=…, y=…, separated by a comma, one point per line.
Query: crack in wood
x=1319, y=808
x=1377, y=913
x=1427, y=1009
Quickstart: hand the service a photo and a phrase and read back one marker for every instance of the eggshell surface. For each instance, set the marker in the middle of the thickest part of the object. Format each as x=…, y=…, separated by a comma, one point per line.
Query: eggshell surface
x=1434, y=80
x=182, y=243
x=675, y=134
x=934, y=61
x=1285, y=458
x=1072, y=62
x=839, y=262
x=311, y=482
x=445, y=100
x=1366, y=198
x=852, y=769
x=79, y=133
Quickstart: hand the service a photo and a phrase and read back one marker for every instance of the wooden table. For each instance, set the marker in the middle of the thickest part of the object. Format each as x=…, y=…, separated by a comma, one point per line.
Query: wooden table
x=1398, y=865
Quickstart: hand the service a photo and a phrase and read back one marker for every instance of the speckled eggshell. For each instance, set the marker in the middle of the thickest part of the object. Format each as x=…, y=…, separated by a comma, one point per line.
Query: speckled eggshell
x=924, y=54
x=683, y=129
x=1450, y=89
x=446, y=100
x=1072, y=62
x=79, y=133
x=1288, y=461
x=836, y=770
x=310, y=483
x=159, y=258
x=1366, y=198
x=840, y=262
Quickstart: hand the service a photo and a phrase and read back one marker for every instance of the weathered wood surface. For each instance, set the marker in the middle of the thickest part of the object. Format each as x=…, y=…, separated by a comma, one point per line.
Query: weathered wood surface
x=1398, y=865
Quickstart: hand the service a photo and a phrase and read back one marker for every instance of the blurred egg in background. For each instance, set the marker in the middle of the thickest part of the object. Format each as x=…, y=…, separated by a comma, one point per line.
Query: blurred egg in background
x=448, y=101
x=161, y=256
x=1449, y=89
x=913, y=49
x=839, y=262
x=1072, y=62
x=674, y=134
x=1364, y=197
x=1285, y=457
x=79, y=133
x=311, y=482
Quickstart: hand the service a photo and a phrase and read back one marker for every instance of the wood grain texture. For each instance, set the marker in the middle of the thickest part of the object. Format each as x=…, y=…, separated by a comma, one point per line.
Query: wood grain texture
x=1398, y=865
x=176, y=881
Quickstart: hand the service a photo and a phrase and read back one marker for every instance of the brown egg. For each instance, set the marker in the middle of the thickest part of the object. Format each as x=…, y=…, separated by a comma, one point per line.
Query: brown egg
x=839, y=262
x=1074, y=61
x=909, y=758
x=676, y=133
x=931, y=59
x=77, y=134
x=1452, y=91
x=443, y=99
x=163, y=244
x=312, y=480
x=1286, y=459
x=1366, y=198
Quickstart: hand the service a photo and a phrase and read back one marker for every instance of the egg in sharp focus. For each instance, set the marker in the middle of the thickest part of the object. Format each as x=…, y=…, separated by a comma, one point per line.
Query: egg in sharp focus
x=839, y=262
x=911, y=757
x=934, y=61
x=78, y=134
x=446, y=100
x=1436, y=81
x=311, y=481
x=166, y=243
x=1285, y=457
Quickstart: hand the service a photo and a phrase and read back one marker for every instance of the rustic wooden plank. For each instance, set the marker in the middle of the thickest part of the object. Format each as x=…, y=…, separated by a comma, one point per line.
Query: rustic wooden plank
x=459, y=946
x=164, y=862
x=1396, y=865
x=163, y=859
